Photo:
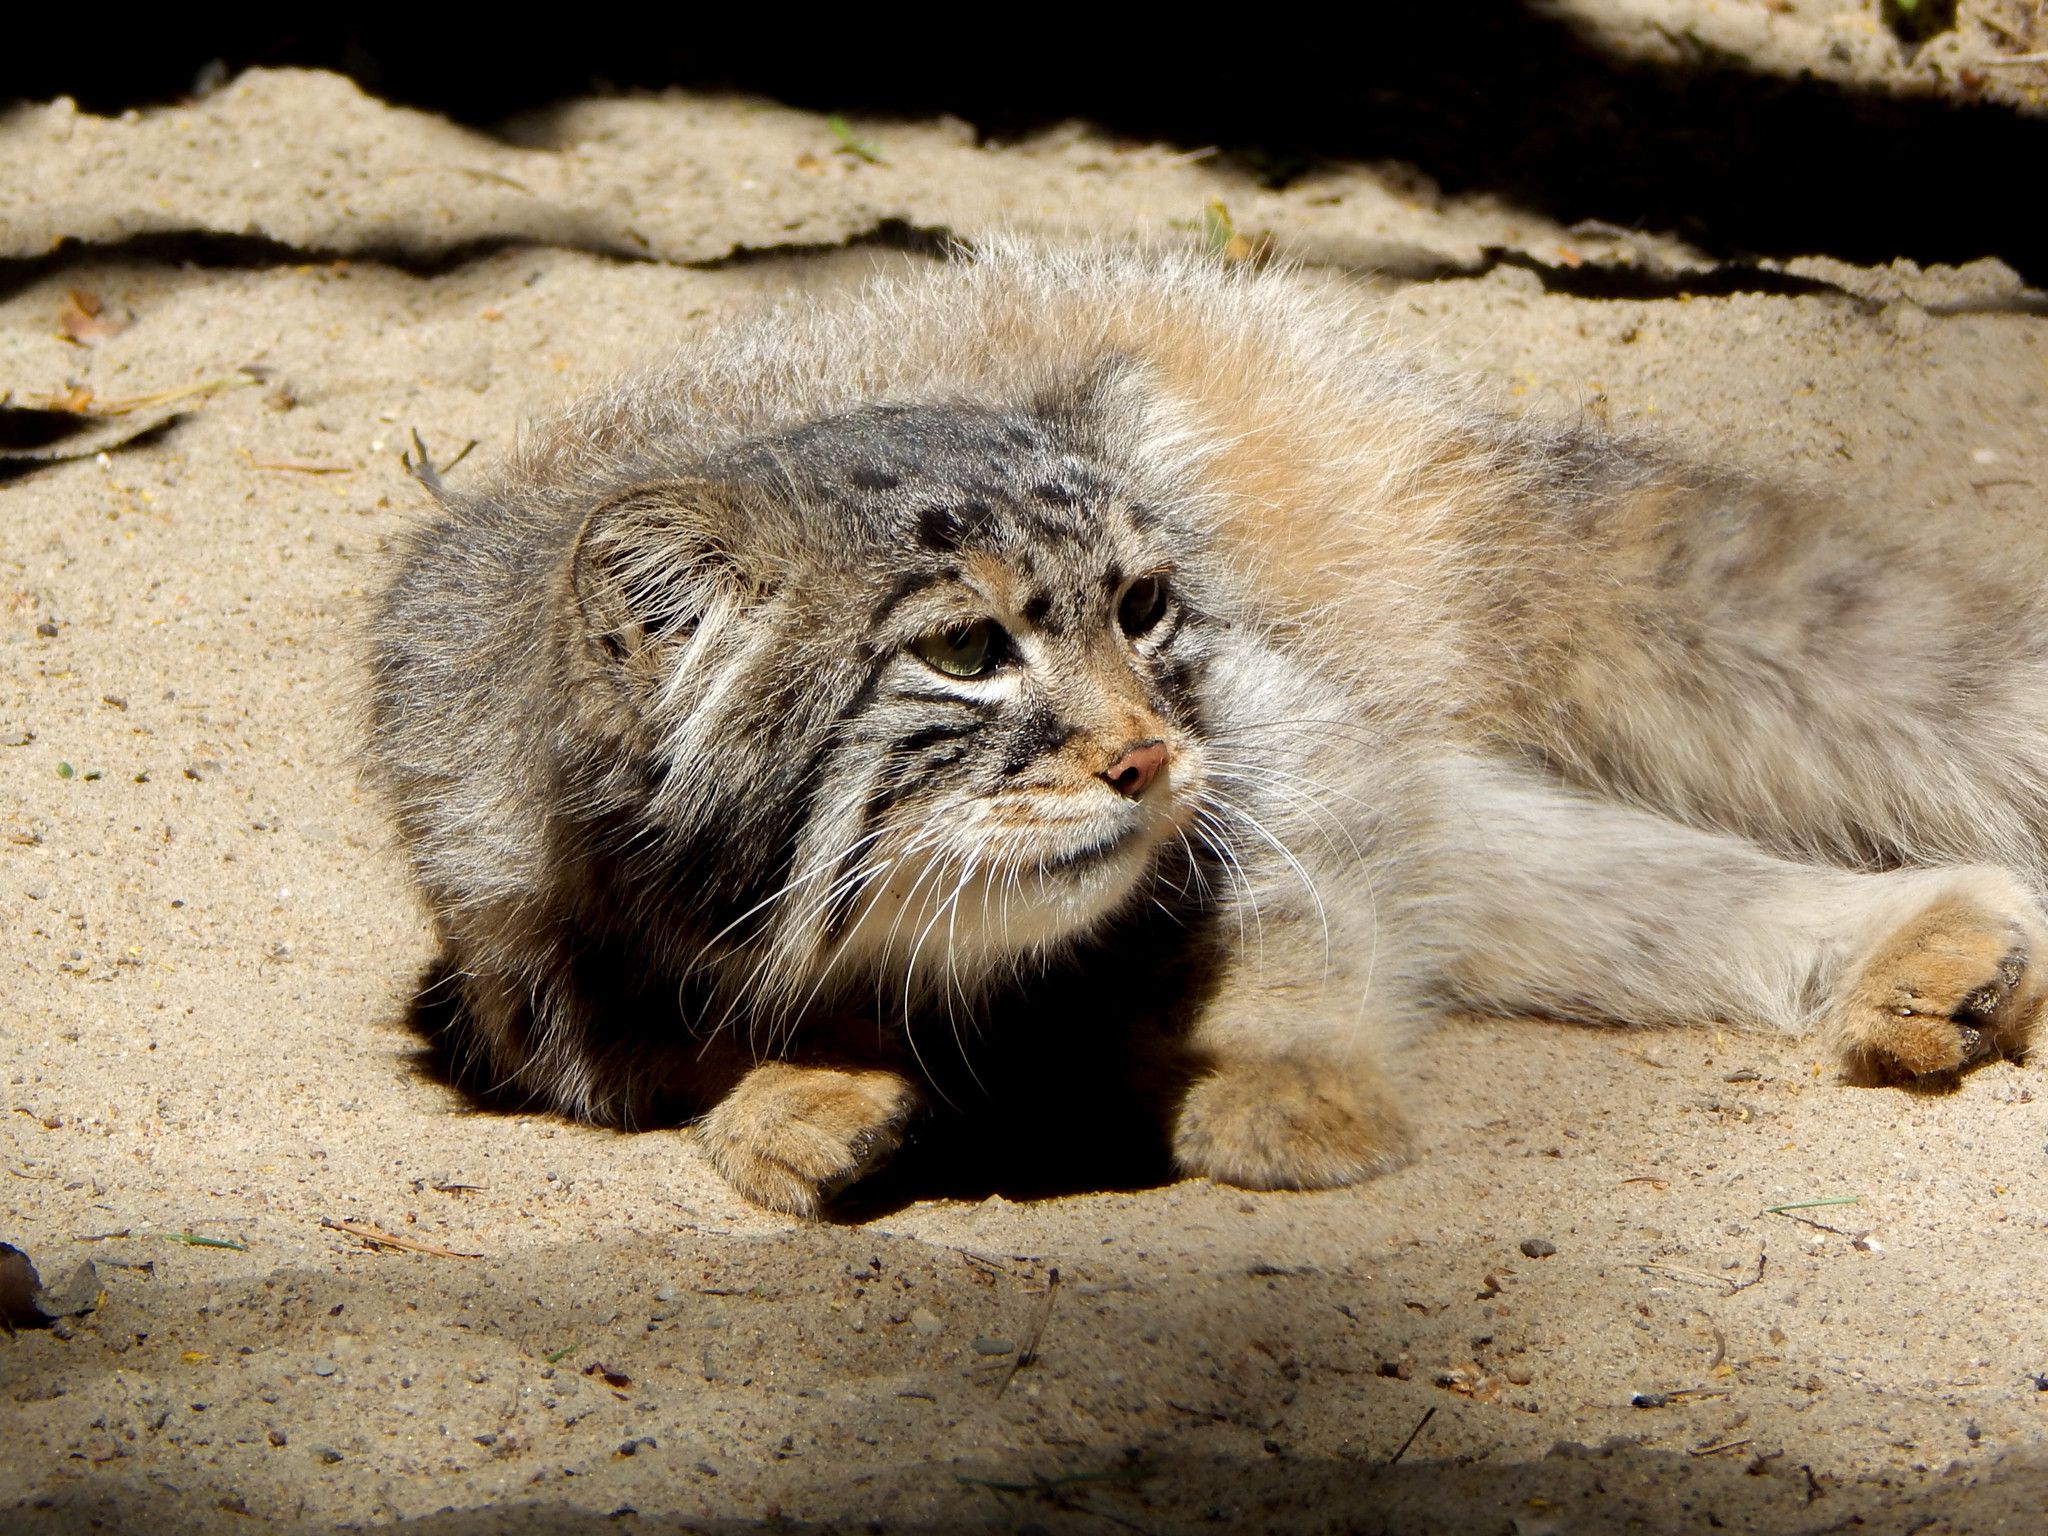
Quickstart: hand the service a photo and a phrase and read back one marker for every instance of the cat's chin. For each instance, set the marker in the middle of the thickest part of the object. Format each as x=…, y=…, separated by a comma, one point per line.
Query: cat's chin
x=1001, y=913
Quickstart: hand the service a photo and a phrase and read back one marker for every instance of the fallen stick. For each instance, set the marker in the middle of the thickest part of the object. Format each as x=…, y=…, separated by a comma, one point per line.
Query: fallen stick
x=378, y=1237
x=1028, y=1353
x=1420, y=1425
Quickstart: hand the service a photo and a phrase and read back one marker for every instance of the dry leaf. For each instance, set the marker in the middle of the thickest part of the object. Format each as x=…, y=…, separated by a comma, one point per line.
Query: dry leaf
x=84, y=319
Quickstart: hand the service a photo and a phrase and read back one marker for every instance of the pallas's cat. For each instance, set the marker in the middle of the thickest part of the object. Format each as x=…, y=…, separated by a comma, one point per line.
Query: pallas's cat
x=1119, y=638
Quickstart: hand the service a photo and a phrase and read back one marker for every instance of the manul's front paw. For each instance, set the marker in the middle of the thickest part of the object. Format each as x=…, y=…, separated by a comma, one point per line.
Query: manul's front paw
x=1288, y=1123
x=790, y=1137
x=1958, y=984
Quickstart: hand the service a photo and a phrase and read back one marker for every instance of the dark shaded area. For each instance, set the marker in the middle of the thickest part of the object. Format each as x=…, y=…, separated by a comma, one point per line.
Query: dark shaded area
x=1041, y=1100
x=26, y=427
x=1615, y=1488
x=201, y=248
x=1479, y=94
x=1184, y=1456
x=206, y=248
x=1594, y=281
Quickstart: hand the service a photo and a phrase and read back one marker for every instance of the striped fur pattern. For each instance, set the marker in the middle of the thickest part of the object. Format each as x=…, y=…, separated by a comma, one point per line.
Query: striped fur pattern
x=1113, y=636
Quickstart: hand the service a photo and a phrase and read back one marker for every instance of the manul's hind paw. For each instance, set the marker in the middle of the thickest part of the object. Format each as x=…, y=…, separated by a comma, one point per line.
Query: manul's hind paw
x=1958, y=984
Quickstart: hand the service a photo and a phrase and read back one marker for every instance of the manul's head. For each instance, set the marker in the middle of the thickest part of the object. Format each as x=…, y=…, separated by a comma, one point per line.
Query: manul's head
x=918, y=687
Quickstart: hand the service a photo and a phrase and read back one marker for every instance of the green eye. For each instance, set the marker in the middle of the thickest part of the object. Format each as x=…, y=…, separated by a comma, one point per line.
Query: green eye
x=965, y=650
x=1144, y=605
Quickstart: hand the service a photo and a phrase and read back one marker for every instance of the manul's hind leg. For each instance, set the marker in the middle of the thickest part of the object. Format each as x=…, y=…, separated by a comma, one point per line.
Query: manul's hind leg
x=1579, y=908
x=1957, y=981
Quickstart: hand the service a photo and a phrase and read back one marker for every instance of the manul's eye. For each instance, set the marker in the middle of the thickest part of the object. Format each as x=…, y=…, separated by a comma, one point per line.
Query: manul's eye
x=964, y=650
x=1144, y=605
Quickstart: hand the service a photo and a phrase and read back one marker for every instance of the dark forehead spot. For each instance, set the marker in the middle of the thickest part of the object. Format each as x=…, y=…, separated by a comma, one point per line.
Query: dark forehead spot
x=1048, y=528
x=940, y=528
x=947, y=526
x=1113, y=578
x=1037, y=608
x=938, y=478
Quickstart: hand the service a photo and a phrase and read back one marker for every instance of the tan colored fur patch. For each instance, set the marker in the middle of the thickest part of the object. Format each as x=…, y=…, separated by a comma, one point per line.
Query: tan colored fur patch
x=1954, y=985
x=788, y=1136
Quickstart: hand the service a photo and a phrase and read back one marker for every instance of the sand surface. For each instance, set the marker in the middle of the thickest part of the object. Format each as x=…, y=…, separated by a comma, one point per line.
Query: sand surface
x=208, y=944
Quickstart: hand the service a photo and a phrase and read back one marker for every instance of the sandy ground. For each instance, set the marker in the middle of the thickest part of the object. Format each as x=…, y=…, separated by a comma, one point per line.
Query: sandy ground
x=1995, y=50
x=208, y=944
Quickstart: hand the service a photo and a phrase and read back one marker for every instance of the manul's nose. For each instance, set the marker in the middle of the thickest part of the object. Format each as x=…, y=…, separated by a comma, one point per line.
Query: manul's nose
x=1130, y=774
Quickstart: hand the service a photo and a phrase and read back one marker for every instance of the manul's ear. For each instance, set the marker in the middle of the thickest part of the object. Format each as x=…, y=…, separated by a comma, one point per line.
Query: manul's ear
x=1119, y=408
x=656, y=562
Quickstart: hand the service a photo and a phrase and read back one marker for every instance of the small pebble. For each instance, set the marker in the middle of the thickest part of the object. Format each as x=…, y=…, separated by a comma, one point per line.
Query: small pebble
x=1651, y=1400
x=327, y=1455
x=279, y=1437
x=1520, y=1375
x=632, y=1447
x=1537, y=1248
x=925, y=1322
x=323, y=1367
x=991, y=1346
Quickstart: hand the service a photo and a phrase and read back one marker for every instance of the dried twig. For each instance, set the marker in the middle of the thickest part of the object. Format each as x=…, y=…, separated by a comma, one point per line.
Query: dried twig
x=80, y=401
x=377, y=1237
x=1821, y=1226
x=991, y=1265
x=1691, y=1276
x=1807, y=1205
x=1420, y=1424
x=1066, y=1480
x=424, y=469
x=1027, y=1352
x=1725, y=1445
x=1755, y=1279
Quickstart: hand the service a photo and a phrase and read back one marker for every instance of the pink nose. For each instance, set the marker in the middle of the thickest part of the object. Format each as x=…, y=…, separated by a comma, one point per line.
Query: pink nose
x=1132, y=773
